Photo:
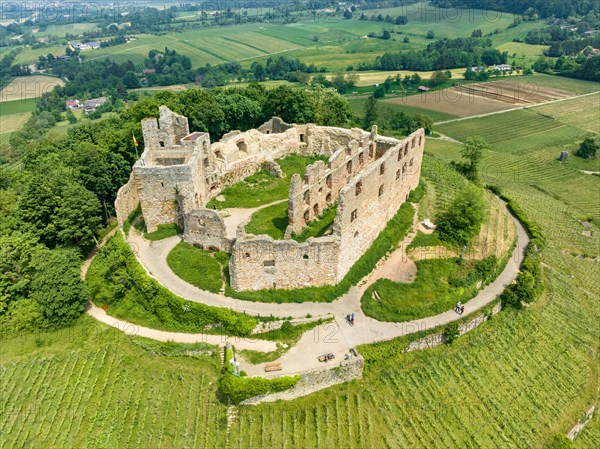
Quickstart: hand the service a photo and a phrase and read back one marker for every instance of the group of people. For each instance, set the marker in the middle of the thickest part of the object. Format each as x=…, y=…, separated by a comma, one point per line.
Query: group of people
x=459, y=308
x=350, y=318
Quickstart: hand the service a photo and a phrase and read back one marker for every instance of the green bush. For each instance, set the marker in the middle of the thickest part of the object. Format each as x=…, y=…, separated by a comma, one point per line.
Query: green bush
x=236, y=389
x=115, y=278
x=560, y=441
x=387, y=240
x=451, y=332
x=463, y=218
x=415, y=196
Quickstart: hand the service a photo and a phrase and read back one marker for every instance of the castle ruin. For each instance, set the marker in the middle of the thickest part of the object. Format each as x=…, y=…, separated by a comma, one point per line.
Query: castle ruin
x=367, y=178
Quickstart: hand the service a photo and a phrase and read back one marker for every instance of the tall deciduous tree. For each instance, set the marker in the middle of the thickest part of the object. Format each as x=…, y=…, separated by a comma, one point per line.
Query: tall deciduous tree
x=588, y=148
x=463, y=218
x=472, y=151
x=371, y=113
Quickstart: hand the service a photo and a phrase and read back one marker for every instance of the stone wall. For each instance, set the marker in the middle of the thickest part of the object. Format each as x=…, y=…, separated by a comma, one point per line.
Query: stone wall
x=322, y=182
x=127, y=200
x=372, y=198
x=436, y=339
x=315, y=380
x=205, y=228
x=260, y=262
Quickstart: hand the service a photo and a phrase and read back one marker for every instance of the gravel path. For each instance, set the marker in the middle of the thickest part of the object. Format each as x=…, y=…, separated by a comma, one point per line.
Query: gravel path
x=336, y=337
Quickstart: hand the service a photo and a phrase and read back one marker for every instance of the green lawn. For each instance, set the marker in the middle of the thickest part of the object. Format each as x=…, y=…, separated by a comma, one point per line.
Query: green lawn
x=272, y=220
x=197, y=266
x=262, y=187
x=439, y=285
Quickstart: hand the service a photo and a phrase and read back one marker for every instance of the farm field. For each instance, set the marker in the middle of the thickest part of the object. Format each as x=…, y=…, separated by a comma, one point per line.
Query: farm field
x=17, y=106
x=13, y=122
x=513, y=382
x=26, y=87
x=386, y=107
x=368, y=78
x=482, y=98
x=580, y=112
x=326, y=41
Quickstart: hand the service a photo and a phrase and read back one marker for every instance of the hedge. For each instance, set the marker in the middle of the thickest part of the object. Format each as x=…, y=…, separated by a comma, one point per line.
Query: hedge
x=237, y=389
x=529, y=283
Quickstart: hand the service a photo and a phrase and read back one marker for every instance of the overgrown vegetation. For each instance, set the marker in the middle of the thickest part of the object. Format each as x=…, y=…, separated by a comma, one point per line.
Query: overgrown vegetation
x=318, y=226
x=236, y=389
x=463, y=219
x=118, y=282
x=529, y=283
x=439, y=285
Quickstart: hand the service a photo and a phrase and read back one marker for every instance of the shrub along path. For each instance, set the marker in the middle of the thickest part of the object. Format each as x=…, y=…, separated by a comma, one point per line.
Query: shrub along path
x=336, y=337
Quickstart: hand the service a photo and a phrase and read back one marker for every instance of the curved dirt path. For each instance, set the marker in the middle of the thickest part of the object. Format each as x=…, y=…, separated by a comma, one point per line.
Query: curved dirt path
x=178, y=337
x=336, y=337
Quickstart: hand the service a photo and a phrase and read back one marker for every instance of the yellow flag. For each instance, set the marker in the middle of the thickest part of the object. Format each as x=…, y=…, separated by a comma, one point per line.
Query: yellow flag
x=135, y=143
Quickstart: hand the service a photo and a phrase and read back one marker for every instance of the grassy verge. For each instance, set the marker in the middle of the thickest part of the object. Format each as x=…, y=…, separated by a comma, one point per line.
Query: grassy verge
x=386, y=241
x=236, y=389
x=262, y=187
x=163, y=231
x=118, y=283
x=129, y=220
x=197, y=266
x=439, y=285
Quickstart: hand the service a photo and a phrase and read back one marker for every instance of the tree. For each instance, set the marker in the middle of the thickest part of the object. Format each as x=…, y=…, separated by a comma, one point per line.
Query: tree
x=472, y=151
x=463, y=218
x=379, y=92
x=292, y=104
x=386, y=34
x=430, y=34
x=470, y=74
x=78, y=216
x=71, y=117
x=370, y=113
x=258, y=71
x=347, y=14
x=438, y=78
x=130, y=80
x=57, y=287
x=588, y=148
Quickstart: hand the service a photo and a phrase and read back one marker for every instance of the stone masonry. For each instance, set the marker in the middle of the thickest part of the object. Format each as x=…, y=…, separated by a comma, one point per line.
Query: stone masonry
x=367, y=178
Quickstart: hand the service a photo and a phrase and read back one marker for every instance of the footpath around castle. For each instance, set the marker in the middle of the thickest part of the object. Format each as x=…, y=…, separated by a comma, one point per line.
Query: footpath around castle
x=367, y=178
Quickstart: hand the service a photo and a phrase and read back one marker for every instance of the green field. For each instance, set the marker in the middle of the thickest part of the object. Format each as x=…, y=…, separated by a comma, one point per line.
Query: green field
x=581, y=112
x=13, y=122
x=339, y=42
x=384, y=109
x=17, y=106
